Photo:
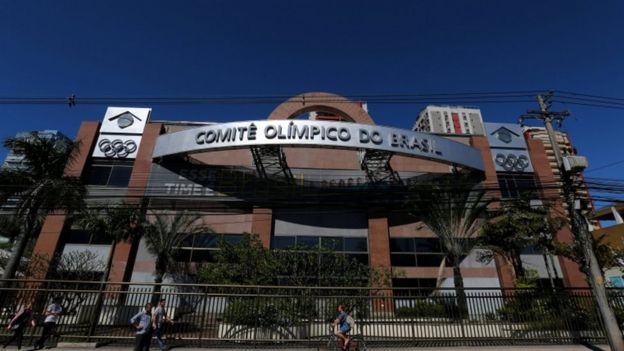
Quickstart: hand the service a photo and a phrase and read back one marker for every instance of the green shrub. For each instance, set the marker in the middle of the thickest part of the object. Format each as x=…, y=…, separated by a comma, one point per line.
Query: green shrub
x=422, y=309
x=547, y=310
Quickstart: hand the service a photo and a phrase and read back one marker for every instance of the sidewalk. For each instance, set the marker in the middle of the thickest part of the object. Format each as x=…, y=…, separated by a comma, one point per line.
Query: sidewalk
x=459, y=348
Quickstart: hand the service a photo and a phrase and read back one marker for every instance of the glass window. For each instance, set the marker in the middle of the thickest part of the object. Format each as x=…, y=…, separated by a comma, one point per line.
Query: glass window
x=355, y=244
x=403, y=260
x=187, y=242
x=513, y=186
x=283, y=242
x=98, y=175
x=120, y=176
x=429, y=260
x=427, y=245
x=109, y=172
x=402, y=245
x=206, y=240
x=202, y=247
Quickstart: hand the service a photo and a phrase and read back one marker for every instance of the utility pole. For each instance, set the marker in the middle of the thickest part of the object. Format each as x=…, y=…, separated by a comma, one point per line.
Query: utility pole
x=570, y=167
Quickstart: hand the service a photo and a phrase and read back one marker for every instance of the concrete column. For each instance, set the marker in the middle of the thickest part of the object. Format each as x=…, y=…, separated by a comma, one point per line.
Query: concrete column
x=504, y=270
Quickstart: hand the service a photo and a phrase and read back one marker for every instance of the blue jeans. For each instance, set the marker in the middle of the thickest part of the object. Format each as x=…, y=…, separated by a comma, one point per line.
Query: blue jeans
x=160, y=331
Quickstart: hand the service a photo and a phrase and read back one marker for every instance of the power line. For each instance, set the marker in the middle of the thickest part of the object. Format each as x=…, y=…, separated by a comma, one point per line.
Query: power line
x=225, y=99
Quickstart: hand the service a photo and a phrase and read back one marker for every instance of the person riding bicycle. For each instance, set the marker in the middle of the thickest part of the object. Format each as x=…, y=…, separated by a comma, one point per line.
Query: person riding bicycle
x=342, y=327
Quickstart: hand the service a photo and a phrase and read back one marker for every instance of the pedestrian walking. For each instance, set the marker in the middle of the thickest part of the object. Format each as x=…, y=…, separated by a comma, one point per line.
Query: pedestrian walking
x=52, y=314
x=142, y=322
x=159, y=319
x=20, y=321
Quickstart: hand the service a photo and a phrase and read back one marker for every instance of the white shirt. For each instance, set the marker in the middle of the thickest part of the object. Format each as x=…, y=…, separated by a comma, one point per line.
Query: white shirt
x=53, y=308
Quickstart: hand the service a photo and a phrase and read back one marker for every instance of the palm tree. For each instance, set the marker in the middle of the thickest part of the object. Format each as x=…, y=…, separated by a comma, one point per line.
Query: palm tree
x=164, y=236
x=124, y=222
x=453, y=208
x=39, y=188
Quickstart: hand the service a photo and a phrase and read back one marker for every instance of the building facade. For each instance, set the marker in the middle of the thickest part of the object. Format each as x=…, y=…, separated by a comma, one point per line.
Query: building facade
x=330, y=182
x=450, y=120
x=565, y=145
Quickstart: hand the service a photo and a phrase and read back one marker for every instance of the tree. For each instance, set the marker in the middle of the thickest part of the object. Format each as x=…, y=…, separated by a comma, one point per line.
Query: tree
x=453, y=207
x=124, y=222
x=516, y=227
x=247, y=262
x=164, y=236
x=250, y=264
x=607, y=255
x=68, y=275
x=39, y=188
x=77, y=266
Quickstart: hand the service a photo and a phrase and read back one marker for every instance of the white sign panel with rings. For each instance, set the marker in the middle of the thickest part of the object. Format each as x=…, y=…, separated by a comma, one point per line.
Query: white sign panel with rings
x=511, y=160
x=308, y=133
x=117, y=146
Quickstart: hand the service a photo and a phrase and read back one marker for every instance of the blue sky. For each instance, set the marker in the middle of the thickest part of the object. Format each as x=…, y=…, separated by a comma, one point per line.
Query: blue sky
x=215, y=48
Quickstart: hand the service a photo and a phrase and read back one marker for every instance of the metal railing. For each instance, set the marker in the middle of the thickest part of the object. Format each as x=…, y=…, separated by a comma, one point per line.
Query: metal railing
x=251, y=316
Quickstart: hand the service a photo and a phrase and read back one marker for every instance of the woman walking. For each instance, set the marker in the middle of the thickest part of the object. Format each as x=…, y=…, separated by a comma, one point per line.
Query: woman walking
x=21, y=320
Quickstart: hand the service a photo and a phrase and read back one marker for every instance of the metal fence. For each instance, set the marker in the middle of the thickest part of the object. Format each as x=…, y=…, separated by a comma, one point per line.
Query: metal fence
x=244, y=316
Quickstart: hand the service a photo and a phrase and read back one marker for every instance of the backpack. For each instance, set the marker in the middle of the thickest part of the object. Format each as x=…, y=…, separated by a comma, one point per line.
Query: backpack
x=350, y=321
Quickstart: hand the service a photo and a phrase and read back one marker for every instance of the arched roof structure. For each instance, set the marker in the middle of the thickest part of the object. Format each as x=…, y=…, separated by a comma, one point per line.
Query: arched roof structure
x=351, y=111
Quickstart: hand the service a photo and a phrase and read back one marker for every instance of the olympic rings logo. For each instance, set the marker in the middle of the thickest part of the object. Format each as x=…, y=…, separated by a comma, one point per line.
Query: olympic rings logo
x=512, y=162
x=117, y=147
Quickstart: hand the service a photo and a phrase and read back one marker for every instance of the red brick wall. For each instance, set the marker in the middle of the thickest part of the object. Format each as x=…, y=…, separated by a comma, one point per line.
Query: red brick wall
x=378, y=238
x=504, y=270
x=262, y=225
x=122, y=263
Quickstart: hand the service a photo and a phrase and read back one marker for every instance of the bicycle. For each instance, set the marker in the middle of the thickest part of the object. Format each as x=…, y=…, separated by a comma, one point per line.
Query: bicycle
x=356, y=343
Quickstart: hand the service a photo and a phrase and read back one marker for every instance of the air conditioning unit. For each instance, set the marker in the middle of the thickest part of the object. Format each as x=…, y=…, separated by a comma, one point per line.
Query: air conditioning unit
x=574, y=164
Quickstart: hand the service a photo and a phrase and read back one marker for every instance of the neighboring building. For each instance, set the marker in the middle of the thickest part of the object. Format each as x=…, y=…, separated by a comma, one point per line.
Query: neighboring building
x=17, y=161
x=450, y=120
x=565, y=145
x=309, y=182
